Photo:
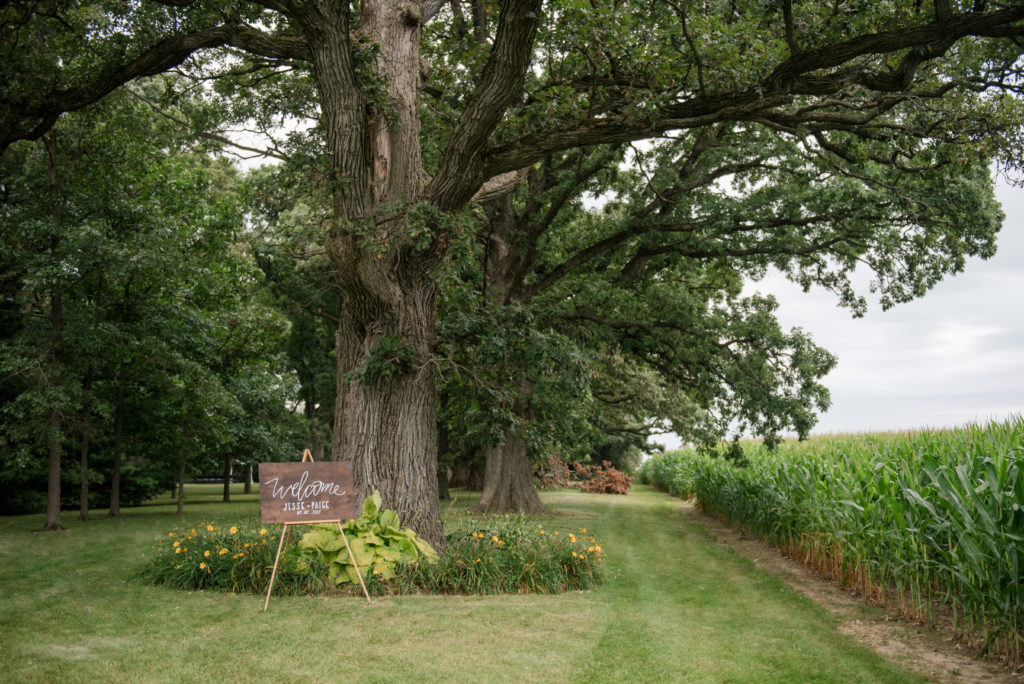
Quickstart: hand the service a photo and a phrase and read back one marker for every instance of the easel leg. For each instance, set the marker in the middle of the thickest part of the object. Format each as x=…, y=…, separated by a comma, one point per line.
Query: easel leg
x=273, y=575
x=351, y=558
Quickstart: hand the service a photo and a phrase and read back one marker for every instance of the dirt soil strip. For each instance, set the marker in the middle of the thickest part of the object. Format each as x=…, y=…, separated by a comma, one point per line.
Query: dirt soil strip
x=912, y=645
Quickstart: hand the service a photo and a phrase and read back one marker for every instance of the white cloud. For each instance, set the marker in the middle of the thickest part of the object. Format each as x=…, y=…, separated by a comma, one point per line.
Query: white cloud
x=952, y=357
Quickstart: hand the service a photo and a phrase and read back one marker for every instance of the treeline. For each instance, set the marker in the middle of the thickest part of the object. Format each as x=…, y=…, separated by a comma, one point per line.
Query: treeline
x=137, y=345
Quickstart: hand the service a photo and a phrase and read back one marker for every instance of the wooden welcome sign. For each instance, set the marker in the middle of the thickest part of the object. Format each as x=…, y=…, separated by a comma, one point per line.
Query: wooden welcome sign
x=304, y=493
x=307, y=492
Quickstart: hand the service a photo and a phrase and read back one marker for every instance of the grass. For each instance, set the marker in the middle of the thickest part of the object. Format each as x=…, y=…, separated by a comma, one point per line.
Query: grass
x=677, y=608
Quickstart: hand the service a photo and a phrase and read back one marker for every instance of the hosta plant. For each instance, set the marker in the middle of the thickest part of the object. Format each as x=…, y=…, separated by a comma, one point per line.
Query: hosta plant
x=377, y=541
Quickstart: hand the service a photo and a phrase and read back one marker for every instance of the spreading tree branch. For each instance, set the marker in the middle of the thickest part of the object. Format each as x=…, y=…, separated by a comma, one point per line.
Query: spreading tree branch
x=460, y=172
x=29, y=116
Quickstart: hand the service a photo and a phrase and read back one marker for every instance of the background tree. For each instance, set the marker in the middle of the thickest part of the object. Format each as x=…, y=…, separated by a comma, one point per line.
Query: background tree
x=153, y=289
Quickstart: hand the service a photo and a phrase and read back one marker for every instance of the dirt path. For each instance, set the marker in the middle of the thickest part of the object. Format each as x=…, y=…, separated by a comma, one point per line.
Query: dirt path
x=911, y=645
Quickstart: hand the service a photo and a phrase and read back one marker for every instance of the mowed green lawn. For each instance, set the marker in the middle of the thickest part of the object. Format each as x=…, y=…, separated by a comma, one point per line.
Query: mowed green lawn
x=677, y=608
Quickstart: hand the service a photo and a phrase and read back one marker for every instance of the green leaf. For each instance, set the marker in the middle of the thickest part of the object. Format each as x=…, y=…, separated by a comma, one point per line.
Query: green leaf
x=372, y=505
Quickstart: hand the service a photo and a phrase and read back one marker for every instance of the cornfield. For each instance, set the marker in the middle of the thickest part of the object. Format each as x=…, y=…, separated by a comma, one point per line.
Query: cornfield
x=929, y=523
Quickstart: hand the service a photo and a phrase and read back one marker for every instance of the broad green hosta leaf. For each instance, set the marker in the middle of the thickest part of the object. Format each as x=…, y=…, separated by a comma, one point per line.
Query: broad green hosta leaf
x=371, y=506
x=389, y=519
x=323, y=538
x=377, y=541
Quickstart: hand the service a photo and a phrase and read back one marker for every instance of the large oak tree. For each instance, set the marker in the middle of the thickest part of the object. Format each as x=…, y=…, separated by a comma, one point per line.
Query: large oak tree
x=426, y=108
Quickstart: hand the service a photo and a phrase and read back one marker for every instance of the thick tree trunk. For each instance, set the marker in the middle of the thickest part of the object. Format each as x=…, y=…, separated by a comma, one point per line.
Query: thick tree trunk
x=508, y=477
x=385, y=421
x=385, y=414
x=442, y=485
x=248, y=479
x=115, y=474
x=468, y=475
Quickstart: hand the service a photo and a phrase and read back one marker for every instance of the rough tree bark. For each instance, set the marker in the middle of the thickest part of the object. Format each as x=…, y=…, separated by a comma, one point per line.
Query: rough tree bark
x=508, y=474
x=508, y=478
x=385, y=418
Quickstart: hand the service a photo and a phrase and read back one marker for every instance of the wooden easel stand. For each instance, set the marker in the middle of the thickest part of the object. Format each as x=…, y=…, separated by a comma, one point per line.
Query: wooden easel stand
x=307, y=456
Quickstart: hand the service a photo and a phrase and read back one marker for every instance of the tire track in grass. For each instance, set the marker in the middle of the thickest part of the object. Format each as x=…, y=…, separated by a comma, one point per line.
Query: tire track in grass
x=680, y=608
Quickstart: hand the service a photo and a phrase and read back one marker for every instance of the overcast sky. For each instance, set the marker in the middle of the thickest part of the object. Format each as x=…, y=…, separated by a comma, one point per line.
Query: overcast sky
x=953, y=357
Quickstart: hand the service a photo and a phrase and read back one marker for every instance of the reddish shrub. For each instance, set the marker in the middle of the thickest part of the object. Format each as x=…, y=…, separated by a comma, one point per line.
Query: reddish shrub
x=606, y=480
x=554, y=474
